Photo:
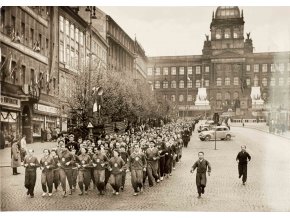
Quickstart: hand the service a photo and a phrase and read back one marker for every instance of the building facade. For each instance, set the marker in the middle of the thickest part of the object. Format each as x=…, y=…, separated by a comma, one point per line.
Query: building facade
x=238, y=81
x=121, y=48
x=29, y=75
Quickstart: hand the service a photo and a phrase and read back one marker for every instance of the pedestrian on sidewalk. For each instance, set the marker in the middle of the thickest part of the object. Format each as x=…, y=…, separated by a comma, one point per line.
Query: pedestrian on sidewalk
x=202, y=166
x=243, y=158
x=15, y=156
x=47, y=164
x=30, y=163
x=23, y=147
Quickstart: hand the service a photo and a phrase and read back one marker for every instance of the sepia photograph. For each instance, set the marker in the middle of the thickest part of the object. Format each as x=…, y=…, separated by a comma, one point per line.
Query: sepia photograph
x=145, y=108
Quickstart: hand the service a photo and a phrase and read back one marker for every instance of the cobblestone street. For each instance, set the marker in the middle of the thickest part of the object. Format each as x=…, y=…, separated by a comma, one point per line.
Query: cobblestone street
x=267, y=189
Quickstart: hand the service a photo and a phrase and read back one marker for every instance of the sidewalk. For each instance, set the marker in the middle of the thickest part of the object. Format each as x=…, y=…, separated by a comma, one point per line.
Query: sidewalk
x=5, y=154
x=261, y=127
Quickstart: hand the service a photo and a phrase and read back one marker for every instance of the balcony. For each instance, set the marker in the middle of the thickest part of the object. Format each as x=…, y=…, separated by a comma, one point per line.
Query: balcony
x=32, y=93
x=22, y=48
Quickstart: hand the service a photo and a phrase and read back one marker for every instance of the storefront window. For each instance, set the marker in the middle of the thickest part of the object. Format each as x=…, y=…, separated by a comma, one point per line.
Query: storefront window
x=9, y=125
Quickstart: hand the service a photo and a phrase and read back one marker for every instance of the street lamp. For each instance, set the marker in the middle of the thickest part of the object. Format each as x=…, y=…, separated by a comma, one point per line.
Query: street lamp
x=97, y=93
x=92, y=11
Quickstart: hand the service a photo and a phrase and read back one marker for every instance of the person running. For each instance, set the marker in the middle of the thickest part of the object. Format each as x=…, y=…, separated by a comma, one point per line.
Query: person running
x=243, y=158
x=137, y=165
x=202, y=166
x=56, y=176
x=124, y=155
x=65, y=171
x=116, y=165
x=46, y=164
x=30, y=163
x=100, y=162
x=83, y=162
x=152, y=157
x=74, y=170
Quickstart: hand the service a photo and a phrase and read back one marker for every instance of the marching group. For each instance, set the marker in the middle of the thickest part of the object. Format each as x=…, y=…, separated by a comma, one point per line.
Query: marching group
x=151, y=153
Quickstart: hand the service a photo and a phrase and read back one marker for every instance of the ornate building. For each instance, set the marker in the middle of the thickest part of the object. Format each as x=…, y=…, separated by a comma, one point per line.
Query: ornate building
x=29, y=74
x=238, y=82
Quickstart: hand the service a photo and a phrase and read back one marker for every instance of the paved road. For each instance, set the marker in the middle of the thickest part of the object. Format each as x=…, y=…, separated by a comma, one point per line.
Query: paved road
x=268, y=187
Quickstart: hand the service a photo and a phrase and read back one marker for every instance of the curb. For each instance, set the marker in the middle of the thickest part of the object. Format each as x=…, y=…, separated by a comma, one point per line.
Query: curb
x=263, y=131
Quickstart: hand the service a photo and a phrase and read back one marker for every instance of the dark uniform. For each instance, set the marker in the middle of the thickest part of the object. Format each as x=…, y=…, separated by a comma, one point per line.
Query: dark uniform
x=202, y=166
x=243, y=157
x=65, y=171
x=152, y=164
x=30, y=174
x=116, y=165
x=84, y=173
x=100, y=161
x=47, y=165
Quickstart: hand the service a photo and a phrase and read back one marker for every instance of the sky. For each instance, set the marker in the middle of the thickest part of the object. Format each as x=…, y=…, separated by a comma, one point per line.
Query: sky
x=180, y=30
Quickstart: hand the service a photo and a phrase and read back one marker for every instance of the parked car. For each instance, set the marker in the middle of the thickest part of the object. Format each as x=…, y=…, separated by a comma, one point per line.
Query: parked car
x=218, y=132
x=204, y=127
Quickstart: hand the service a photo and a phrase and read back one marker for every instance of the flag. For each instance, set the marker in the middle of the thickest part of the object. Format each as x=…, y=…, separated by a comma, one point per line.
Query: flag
x=95, y=107
x=188, y=78
x=17, y=67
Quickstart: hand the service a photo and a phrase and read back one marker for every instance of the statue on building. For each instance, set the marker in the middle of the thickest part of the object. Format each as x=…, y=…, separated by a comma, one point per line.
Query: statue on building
x=207, y=37
x=248, y=35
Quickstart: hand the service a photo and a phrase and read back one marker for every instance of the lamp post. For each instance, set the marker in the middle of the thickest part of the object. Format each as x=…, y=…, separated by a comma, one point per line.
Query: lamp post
x=92, y=11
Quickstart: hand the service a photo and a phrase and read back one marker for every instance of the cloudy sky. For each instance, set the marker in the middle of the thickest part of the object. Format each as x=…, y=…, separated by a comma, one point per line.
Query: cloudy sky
x=181, y=30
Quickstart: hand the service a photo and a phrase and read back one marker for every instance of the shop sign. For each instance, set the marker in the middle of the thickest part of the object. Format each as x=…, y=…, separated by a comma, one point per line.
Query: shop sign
x=8, y=101
x=45, y=108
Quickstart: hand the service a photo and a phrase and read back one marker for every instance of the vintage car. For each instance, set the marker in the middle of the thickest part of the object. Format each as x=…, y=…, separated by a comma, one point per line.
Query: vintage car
x=204, y=127
x=218, y=133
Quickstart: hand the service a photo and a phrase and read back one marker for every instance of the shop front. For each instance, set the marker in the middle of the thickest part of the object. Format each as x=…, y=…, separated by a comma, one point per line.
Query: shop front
x=44, y=120
x=10, y=117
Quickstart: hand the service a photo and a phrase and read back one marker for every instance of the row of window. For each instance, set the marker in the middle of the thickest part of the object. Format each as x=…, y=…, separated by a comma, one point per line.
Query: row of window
x=273, y=67
x=24, y=30
x=226, y=34
x=165, y=70
x=71, y=46
x=181, y=97
x=282, y=67
x=165, y=84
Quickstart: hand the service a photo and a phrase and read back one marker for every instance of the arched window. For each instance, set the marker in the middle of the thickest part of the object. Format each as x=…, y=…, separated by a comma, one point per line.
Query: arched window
x=173, y=84
x=181, y=98
x=227, y=96
x=173, y=98
x=189, y=84
x=218, y=34
x=236, y=33
x=281, y=81
x=236, y=95
x=265, y=82
x=227, y=33
x=197, y=83
x=165, y=84
x=218, y=81
x=227, y=81
x=218, y=96
x=256, y=81
x=181, y=84
x=157, y=85
x=189, y=97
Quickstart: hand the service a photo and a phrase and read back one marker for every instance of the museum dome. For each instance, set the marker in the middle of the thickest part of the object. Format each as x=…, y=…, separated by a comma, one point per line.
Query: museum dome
x=225, y=12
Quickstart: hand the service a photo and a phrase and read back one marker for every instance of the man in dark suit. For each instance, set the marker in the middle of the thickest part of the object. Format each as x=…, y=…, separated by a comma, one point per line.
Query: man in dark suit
x=243, y=158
